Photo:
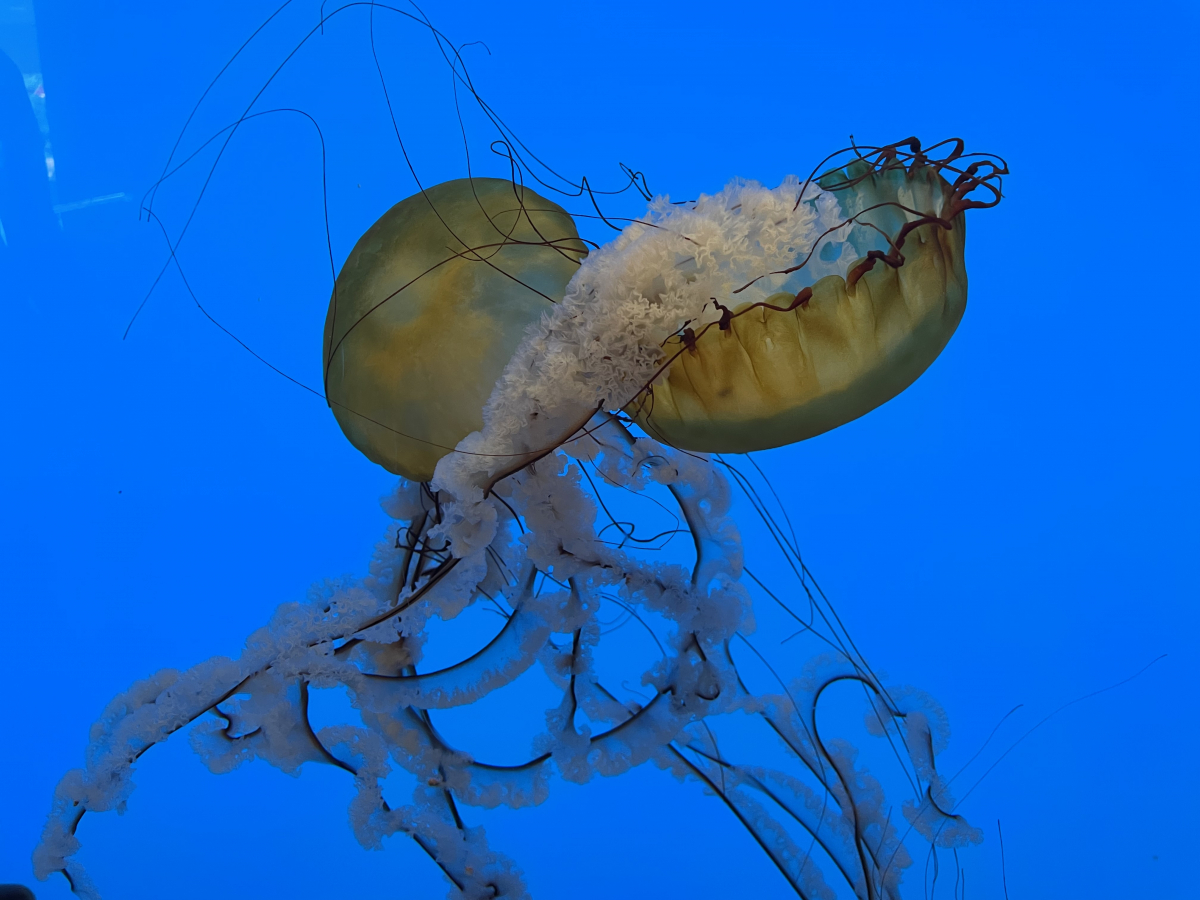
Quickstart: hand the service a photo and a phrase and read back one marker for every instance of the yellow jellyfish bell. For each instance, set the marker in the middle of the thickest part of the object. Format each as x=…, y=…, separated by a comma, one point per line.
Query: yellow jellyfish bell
x=797, y=365
x=430, y=305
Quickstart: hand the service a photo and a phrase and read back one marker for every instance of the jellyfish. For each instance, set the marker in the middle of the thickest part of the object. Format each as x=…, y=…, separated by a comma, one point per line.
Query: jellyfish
x=512, y=374
x=477, y=348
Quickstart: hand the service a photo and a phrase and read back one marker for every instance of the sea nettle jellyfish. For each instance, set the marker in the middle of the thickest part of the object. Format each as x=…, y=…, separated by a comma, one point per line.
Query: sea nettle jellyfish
x=474, y=347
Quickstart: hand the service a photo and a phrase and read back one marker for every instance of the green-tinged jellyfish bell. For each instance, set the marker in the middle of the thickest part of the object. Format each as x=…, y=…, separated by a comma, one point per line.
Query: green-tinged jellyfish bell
x=803, y=362
x=429, y=307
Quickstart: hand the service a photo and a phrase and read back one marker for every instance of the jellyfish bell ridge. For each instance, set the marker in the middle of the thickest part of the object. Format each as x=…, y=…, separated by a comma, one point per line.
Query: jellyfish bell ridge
x=429, y=307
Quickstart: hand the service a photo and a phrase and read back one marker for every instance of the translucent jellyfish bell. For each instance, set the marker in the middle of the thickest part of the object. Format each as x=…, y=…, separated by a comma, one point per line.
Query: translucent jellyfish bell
x=428, y=308
x=803, y=362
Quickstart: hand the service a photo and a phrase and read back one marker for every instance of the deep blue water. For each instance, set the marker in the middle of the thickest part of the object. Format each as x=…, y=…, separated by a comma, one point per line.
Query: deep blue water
x=1019, y=527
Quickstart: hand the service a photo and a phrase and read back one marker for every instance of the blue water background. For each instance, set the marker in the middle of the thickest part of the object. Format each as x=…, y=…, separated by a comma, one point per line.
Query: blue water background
x=1019, y=527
